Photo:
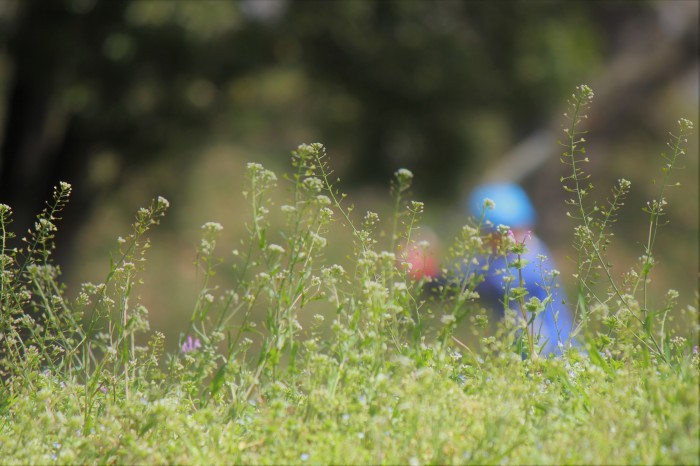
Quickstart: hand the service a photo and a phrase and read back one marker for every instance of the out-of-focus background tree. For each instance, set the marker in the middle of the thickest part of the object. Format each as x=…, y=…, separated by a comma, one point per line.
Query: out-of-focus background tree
x=130, y=99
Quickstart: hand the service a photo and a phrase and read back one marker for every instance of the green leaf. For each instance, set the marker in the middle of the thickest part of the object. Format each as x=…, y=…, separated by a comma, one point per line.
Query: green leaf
x=218, y=381
x=598, y=360
x=262, y=242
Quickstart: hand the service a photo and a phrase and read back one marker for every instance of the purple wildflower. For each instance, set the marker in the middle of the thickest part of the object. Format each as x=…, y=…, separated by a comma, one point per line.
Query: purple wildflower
x=191, y=344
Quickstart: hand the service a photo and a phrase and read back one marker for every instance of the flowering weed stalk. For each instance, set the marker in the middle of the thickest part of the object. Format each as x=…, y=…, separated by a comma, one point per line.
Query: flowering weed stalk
x=592, y=236
x=289, y=357
x=36, y=326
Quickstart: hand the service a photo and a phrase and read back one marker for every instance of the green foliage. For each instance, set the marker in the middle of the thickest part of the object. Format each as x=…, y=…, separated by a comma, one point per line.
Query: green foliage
x=262, y=377
x=623, y=304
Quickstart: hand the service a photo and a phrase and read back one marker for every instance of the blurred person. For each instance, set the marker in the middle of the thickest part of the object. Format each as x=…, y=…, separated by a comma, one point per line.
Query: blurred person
x=423, y=255
x=508, y=205
x=512, y=207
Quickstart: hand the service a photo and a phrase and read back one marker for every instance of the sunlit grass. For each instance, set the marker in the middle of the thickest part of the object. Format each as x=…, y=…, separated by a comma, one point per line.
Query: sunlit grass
x=293, y=354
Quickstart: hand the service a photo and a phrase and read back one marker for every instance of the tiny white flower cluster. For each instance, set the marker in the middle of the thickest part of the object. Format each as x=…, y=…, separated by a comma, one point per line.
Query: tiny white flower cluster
x=386, y=256
x=400, y=287
x=416, y=207
x=336, y=270
x=371, y=218
x=423, y=244
x=275, y=248
x=326, y=214
x=323, y=200
x=208, y=242
x=332, y=274
x=404, y=177
x=44, y=224
x=212, y=227
x=375, y=290
x=313, y=184
x=584, y=92
x=685, y=124
x=678, y=341
x=318, y=240
x=672, y=294
x=257, y=171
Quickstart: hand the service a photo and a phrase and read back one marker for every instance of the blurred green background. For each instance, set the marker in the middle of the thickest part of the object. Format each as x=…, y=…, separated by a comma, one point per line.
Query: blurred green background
x=132, y=99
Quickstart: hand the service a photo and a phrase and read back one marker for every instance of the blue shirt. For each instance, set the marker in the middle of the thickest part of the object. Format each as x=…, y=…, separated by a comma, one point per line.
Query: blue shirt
x=554, y=324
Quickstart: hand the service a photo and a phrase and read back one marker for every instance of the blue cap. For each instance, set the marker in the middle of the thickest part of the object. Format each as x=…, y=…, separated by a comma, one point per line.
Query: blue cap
x=513, y=206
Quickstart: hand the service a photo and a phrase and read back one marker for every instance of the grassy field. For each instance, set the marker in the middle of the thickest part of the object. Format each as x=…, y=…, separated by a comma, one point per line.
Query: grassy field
x=302, y=360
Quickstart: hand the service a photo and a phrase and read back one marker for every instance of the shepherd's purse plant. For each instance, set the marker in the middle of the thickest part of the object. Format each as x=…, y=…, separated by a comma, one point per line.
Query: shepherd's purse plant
x=297, y=358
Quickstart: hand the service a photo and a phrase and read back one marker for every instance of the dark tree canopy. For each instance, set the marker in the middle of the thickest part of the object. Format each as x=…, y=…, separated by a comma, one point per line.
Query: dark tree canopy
x=393, y=82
